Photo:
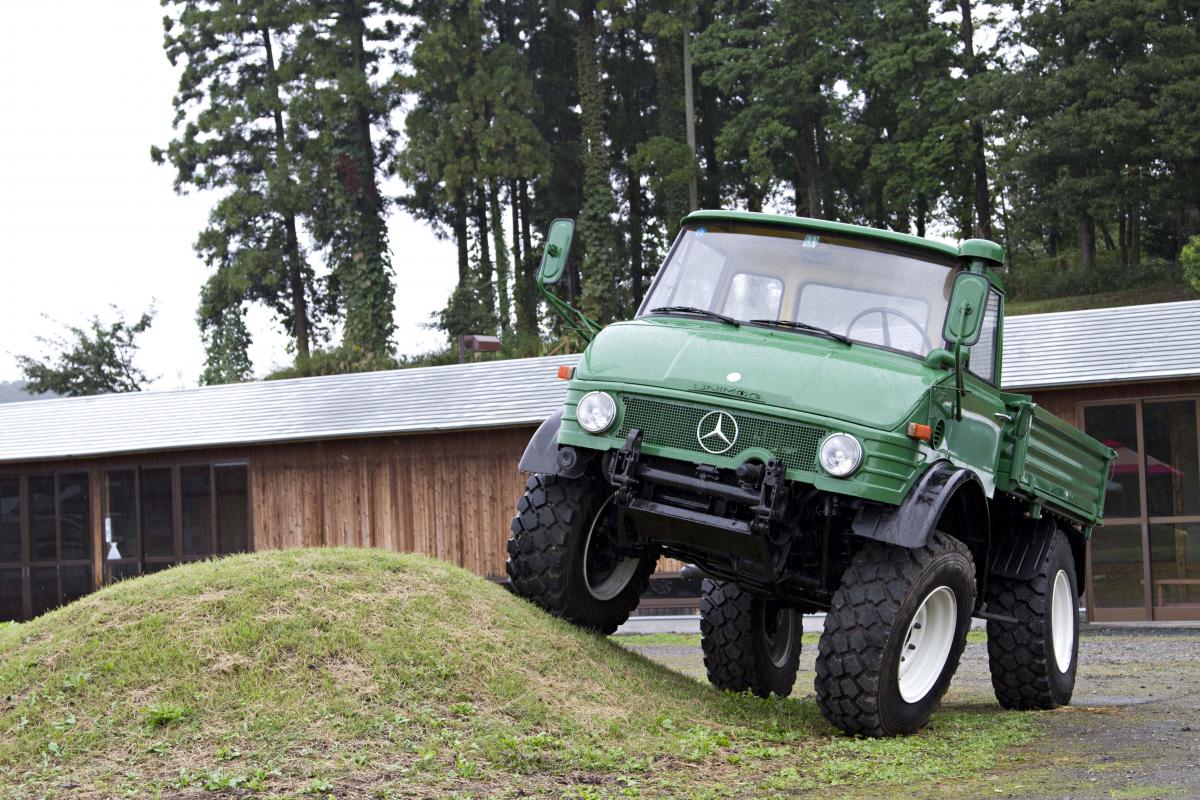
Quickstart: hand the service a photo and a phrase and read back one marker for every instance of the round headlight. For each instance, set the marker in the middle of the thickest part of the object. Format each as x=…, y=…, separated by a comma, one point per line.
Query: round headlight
x=595, y=412
x=840, y=454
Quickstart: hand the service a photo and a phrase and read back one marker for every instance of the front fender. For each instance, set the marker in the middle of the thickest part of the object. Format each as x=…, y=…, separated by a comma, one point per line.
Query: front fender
x=543, y=456
x=910, y=523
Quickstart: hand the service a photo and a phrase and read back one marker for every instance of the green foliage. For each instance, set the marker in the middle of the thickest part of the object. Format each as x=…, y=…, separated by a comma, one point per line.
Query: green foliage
x=96, y=359
x=1067, y=131
x=226, y=349
x=337, y=361
x=235, y=136
x=1189, y=259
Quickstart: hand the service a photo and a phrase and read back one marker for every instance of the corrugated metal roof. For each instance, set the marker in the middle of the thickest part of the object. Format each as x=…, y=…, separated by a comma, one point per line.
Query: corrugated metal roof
x=462, y=396
x=1042, y=350
x=1102, y=345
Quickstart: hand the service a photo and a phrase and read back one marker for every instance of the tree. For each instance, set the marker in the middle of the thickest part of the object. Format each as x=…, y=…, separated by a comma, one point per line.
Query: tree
x=234, y=137
x=94, y=359
x=1189, y=259
x=345, y=100
x=604, y=287
x=226, y=348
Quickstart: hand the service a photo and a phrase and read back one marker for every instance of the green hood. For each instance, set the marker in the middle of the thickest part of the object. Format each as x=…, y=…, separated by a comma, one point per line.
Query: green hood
x=795, y=371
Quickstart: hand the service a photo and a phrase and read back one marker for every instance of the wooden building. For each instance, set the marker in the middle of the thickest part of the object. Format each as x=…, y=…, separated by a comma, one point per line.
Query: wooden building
x=101, y=488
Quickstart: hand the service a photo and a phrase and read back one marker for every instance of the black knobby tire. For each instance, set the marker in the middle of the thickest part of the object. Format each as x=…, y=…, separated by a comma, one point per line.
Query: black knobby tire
x=868, y=627
x=546, y=553
x=1026, y=673
x=748, y=645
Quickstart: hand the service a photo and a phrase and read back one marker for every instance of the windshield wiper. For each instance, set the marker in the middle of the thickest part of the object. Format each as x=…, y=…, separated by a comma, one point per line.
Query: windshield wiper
x=700, y=312
x=802, y=326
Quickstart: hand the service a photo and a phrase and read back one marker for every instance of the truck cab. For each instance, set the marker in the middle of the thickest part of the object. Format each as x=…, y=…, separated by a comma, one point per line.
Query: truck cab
x=810, y=413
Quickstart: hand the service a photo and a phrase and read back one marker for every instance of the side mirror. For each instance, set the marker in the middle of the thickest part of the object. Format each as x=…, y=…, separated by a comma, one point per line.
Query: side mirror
x=558, y=249
x=964, y=318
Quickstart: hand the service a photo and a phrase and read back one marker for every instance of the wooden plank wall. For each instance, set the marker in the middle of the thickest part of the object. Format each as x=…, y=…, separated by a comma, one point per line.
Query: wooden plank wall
x=449, y=495
x=1064, y=403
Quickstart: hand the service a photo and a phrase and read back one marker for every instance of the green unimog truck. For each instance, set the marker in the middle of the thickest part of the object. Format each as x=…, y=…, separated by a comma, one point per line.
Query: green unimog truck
x=811, y=414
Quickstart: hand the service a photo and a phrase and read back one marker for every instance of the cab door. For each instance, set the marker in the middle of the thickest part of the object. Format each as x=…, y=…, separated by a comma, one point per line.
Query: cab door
x=975, y=440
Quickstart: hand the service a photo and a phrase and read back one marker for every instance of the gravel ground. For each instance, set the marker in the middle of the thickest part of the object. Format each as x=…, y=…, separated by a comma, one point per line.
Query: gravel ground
x=1133, y=730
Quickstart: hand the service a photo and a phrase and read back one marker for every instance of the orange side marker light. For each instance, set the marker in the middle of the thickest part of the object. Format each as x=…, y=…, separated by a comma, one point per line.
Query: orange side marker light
x=918, y=431
x=566, y=373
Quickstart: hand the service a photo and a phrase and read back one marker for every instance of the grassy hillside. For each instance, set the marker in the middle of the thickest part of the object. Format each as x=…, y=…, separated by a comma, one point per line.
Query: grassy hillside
x=354, y=673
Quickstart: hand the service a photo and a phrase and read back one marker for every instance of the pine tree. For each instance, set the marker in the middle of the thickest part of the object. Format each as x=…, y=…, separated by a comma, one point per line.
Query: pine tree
x=234, y=137
x=604, y=287
x=346, y=100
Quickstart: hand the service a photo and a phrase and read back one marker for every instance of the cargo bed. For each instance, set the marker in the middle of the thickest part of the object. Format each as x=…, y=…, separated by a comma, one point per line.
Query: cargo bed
x=1045, y=460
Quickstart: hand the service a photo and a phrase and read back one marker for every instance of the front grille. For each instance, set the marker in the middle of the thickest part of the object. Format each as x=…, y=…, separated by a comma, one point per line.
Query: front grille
x=669, y=424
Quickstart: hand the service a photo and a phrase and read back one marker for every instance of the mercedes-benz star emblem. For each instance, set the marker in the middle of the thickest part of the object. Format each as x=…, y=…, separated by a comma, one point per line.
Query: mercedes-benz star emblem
x=717, y=432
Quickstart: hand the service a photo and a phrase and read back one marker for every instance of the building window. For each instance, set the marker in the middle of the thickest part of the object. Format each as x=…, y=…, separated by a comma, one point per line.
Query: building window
x=155, y=517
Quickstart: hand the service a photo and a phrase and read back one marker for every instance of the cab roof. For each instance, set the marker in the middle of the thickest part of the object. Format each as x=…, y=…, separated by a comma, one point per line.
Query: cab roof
x=970, y=248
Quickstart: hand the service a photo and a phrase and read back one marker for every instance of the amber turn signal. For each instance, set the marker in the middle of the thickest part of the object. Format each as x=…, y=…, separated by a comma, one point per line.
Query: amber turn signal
x=566, y=373
x=918, y=431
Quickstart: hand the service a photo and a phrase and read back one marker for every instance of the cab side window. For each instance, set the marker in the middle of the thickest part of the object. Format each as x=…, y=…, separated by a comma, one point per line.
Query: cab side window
x=983, y=354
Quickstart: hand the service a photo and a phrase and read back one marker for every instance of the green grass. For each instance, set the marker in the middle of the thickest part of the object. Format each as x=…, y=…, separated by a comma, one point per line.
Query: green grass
x=314, y=673
x=1167, y=293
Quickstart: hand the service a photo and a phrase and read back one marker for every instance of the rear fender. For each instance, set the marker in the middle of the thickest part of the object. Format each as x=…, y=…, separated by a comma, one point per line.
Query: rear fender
x=1020, y=548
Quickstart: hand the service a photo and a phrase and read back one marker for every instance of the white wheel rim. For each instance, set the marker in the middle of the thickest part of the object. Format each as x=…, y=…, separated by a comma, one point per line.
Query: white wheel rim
x=927, y=644
x=618, y=578
x=1062, y=629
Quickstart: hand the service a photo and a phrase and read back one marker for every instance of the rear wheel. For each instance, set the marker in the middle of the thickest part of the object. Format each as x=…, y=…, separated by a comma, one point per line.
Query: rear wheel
x=894, y=635
x=749, y=643
x=563, y=553
x=1033, y=661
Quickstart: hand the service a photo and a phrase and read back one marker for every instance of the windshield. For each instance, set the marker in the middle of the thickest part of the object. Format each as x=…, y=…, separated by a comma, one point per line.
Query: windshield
x=873, y=292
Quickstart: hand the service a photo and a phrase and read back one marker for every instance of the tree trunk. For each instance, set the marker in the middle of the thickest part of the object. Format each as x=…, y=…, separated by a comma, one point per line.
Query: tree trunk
x=501, y=255
x=633, y=196
x=295, y=269
x=460, y=236
x=1135, y=236
x=1087, y=240
x=983, y=199
x=487, y=294
x=689, y=115
x=529, y=264
x=1123, y=238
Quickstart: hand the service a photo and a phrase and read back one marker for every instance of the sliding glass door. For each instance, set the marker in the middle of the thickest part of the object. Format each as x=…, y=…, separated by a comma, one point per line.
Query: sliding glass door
x=45, y=542
x=1145, y=561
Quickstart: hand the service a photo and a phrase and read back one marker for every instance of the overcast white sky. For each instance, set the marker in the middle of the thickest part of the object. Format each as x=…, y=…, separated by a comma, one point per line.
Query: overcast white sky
x=86, y=220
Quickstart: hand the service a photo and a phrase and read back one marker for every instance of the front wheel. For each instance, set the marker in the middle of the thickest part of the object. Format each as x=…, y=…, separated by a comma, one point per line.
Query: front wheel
x=1033, y=661
x=894, y=634
x=563, y=553
x=749, y=643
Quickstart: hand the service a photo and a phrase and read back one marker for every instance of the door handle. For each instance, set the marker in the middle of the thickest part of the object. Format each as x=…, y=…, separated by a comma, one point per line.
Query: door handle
x=1001, y=415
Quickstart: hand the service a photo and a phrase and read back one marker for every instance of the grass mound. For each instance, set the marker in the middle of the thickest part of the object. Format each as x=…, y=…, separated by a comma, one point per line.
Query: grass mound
x=355, y=673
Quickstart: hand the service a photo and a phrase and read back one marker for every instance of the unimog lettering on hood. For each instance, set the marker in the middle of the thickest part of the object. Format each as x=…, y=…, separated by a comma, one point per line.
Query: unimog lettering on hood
x=808, y=413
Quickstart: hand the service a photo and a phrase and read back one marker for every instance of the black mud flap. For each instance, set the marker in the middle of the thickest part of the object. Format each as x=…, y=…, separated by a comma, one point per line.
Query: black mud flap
x=909, y=523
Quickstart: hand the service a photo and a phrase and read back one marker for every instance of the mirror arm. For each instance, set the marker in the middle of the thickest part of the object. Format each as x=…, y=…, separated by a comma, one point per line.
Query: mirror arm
x=579, y=322
x=959, y=389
